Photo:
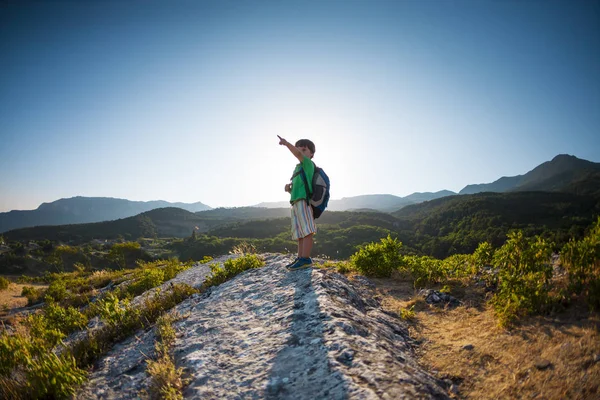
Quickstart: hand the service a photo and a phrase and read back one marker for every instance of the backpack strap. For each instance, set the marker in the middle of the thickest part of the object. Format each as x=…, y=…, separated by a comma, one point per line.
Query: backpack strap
x=306, y=185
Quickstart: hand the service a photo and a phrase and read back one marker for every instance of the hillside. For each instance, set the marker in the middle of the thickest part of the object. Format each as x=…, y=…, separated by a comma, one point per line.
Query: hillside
x=161, y=222
x=78, y=210
x=448, y=225
x=458, y=223
x=560, y=174
x=373, y=202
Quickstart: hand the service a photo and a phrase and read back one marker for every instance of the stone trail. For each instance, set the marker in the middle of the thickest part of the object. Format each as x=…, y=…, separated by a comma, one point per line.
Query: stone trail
x=273, y=334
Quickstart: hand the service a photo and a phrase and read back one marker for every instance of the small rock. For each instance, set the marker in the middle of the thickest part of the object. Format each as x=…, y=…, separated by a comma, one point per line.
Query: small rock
x=275, y=386
x=542, y=364
x=346, y=357
x=596, y=358
x=468, y=347
x=454, y=389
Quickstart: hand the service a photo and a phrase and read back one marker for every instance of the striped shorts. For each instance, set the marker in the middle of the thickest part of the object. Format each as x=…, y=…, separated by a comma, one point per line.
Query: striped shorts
x=303, y=223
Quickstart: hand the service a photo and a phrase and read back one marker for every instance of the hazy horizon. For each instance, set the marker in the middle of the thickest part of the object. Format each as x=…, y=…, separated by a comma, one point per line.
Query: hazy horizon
x=182, y=101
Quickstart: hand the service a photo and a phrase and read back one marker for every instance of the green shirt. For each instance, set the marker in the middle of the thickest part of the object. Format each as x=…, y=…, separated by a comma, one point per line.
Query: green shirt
x=298, y=187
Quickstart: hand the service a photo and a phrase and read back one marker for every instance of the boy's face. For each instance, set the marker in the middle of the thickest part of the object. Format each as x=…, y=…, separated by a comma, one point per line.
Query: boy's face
x=306, y=151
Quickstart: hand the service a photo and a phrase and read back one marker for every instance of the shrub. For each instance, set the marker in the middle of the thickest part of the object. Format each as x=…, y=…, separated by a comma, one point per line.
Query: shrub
x=14, y=350
x=43, y=334
x=459, y=266
x=582, y=262
x=244, y=248
x=66, y=320
x=523, y=278
x=206, y=259
x=483, y=255
x=425, y=269
x=33, y=295
x=147, y=279
x=408, y=314
x=112, y=310
x=231, y=268
x=4, y=283
x=343, y=267
x=52, y=376
x=166, y=379
x=126, y=254
x=378, y=259
x=58, y=290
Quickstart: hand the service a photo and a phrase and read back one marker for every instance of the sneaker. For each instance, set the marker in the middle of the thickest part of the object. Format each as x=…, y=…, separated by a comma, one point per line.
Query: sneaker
x=301, y=263
x=293, y=262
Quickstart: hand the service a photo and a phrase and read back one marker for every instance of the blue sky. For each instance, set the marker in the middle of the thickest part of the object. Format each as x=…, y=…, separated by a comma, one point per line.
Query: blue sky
x=182, y=100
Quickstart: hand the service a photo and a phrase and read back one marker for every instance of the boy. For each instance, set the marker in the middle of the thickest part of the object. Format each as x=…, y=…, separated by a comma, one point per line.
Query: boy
x=303, y=223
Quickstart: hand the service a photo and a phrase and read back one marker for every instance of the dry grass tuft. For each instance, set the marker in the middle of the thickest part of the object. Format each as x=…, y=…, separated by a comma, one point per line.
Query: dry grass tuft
x=541, y=358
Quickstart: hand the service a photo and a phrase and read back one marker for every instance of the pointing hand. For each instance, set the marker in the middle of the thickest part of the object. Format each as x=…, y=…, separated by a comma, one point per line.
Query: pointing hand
x=281, y=140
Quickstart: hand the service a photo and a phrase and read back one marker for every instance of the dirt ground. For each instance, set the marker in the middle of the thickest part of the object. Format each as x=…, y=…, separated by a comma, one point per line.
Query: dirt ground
x=11, y=298
x=549, y=357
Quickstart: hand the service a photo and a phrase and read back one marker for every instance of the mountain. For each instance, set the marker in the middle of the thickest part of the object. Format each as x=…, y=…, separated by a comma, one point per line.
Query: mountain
x=375, y=202
x=77, y=210
x=419, y=197
x=457, y=224
x=160, y=222
x=564, y=173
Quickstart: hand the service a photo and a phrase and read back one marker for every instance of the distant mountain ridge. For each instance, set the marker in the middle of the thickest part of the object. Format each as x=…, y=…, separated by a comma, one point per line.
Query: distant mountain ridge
x=562, y=173
x=78, y=210
x=378, y=202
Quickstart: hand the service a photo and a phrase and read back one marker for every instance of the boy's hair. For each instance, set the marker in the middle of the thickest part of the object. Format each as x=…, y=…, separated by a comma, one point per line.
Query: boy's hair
x=307, y=143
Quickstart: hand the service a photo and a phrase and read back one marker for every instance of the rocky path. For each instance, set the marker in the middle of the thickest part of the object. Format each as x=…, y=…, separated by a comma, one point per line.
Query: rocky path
x=274, y=334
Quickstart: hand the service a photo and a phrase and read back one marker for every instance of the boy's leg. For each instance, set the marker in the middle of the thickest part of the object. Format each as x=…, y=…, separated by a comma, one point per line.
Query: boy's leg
x=305, y=246
x=303, y=228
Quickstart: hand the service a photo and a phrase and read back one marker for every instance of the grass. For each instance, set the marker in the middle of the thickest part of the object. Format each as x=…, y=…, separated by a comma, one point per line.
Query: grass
x=502, y=363
x=166, y=379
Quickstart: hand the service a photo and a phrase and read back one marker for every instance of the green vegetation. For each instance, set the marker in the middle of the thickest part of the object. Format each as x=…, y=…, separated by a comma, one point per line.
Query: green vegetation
x=582, y=261
x=524, y=278
x=167, y=381
x=4, y=283
x=231, y=268
x=30, y=368
x=519, y=273
x=378, y=259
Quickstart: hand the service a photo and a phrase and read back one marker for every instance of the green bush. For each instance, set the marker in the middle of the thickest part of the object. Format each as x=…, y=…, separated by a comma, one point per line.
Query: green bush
x=32, y=294
x=58, y=290
x=459, y=266
x=147, y=279
x=66, y=320
x=52, y=376
x=378, y=259
x=523, y=278
x=126, y=254
x=14, y=351
x=425, y=270
x=231, y=268
x=4, y=283
x=483, y=255
x=112, y=310
x=43, y=335
x=581, y=259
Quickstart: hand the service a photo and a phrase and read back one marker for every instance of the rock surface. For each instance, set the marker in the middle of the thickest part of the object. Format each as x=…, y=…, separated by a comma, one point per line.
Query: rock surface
x=269, y=333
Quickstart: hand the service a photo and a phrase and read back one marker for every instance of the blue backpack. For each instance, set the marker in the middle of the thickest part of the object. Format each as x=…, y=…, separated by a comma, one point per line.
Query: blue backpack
x=318, y=198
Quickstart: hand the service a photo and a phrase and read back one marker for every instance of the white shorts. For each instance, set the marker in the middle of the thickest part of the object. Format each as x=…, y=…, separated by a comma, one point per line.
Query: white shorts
x=303, y=223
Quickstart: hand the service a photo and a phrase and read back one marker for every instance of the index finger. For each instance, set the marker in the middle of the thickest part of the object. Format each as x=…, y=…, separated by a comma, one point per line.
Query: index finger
x=279, y=137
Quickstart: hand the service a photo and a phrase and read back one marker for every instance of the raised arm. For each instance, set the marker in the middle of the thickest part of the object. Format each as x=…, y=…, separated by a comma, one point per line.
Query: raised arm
x=295, y=151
